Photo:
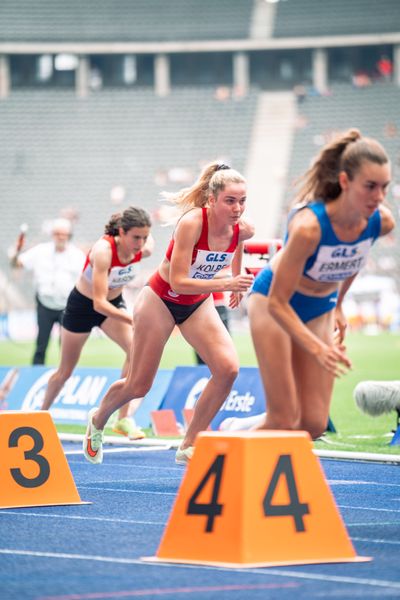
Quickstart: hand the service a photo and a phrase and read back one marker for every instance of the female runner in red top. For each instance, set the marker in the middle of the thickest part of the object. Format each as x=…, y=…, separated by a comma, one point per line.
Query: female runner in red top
x=97, y=300
x=208, y=237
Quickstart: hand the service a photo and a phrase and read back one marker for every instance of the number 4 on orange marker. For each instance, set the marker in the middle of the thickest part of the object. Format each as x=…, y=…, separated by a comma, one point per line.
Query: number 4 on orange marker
x=209, y=509
x=241, y=504
x=294, y=508
x=212, y=509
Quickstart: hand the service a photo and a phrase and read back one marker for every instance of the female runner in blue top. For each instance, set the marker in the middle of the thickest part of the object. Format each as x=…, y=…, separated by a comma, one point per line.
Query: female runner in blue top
x=296, y=301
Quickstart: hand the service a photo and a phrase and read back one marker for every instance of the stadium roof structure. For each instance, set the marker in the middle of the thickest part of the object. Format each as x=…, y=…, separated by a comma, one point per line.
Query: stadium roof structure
x=153, y=26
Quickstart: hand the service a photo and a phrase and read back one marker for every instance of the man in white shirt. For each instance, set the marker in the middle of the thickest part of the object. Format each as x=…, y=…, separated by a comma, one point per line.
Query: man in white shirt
x=56, y=266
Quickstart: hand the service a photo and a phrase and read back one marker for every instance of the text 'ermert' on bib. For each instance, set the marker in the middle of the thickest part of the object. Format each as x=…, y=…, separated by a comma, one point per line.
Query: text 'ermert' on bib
x=335, y=263
x=208, y=263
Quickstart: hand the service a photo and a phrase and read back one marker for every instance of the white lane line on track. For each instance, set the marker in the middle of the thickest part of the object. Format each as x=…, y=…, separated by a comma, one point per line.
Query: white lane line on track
x=355, y=482
x=101, y=489
x=390, y=523
x=372, y=541
x=130, y=466
x=381, y=583
x=136, y=480
x=77, y=517
x=119, y=450
x=390, y=510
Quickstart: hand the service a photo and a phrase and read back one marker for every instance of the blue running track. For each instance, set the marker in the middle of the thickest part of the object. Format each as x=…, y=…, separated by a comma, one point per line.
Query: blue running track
x=94, y=551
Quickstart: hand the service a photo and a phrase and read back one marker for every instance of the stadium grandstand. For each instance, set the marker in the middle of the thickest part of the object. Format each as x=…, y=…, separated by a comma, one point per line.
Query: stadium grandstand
x=104, y=104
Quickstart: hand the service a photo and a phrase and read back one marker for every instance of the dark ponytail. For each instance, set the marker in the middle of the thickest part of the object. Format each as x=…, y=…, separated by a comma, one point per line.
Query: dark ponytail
x=345, y=153
x=131, y=217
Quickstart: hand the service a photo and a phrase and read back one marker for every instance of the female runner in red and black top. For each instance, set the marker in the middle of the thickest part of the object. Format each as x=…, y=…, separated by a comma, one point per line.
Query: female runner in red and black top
x=208, y=237
x=96, y=299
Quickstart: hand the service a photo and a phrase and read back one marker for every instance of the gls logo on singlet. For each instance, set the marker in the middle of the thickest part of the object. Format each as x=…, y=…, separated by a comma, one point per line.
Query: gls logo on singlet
x=344, y=251
x=207, y=264
x=216, y=257
x=125, y=270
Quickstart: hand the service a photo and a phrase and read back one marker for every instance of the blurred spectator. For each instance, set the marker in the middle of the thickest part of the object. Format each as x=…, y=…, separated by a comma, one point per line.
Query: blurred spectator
x=385, y=67
x=300, y=92
x=95, y=79
x=55, y=265
x=361, y=80
x=222, y=93
x=117, y=194
x=239, y=92
x=390, y=130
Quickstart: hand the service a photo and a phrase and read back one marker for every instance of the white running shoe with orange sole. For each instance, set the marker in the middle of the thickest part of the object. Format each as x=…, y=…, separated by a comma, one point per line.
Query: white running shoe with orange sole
x=93, y=441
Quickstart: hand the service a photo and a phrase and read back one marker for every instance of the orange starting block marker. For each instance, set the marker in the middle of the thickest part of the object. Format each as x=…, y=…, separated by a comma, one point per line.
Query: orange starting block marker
x=163, y=423
x=252, y=499
x=33, y=467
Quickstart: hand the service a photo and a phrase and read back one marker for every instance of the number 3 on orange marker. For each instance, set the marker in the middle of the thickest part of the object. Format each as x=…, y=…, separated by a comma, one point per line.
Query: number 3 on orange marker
x=33, y=455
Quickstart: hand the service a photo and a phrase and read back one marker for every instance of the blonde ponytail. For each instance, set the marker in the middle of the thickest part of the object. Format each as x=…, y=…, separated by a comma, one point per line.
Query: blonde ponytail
x=214, y=178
